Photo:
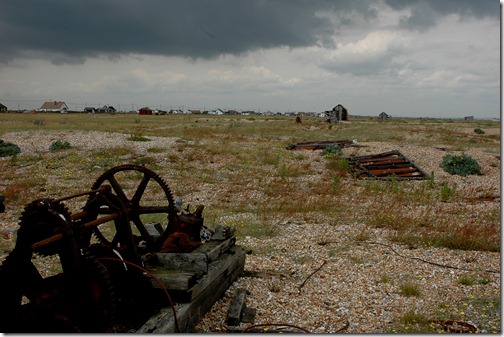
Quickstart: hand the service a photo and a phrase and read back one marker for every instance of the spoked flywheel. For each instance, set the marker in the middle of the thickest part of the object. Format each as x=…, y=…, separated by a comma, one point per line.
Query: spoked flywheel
x=145, y=197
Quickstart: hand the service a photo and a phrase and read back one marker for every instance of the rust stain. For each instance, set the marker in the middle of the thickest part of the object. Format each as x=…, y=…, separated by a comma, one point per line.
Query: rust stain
x=384, y=166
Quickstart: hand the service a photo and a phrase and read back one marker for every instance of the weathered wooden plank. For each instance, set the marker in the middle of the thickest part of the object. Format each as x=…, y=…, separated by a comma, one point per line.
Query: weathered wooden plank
x=154, y=229
x=174, y=280
x=214, y=248
x=215, y=271
x=188, y=314
x=194, y=262
x=235, y=310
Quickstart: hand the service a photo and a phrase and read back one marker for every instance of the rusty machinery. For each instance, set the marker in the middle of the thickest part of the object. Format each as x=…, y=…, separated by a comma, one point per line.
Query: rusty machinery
x=98, y=284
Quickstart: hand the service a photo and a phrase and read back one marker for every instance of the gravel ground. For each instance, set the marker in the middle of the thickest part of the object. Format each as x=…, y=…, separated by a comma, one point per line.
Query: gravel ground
x=358, y=283
x=318, y=276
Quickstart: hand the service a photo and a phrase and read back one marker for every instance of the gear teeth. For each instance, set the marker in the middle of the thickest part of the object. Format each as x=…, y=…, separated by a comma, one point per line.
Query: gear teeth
x=172, y=210
x=107, y=286
x=39, y=220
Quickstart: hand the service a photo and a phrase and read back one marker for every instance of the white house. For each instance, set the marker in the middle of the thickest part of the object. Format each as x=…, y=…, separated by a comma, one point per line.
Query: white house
x=55, y=106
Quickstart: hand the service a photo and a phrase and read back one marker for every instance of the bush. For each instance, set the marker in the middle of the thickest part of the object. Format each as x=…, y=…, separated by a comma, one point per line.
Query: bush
x=331, y=150
x=462, y=165
x=59, y=145
x=479, y=131
x=8, y=149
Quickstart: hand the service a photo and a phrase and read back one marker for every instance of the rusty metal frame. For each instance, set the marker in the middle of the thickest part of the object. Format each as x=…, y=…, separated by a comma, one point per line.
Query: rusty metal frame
x=385, y=166
x=319, y=145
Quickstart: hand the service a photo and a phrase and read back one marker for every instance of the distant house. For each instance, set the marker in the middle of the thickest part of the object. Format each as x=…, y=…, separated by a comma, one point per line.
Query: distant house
x=56, y=106
x=145, y=111
x=469, y=118
x=384, y=116
x=306, y=113
x=89, y=109
x=3, y=108
x=107, y=108
x=216, y=112
x=249, y=113
x=337, y=114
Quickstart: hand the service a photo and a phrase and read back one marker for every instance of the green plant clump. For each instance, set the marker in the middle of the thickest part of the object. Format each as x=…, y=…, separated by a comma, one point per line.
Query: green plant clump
x=59, y=145
x=479, y=131
x=447, y=192
x=331, y=150
x=8, y=149
x=461, y=165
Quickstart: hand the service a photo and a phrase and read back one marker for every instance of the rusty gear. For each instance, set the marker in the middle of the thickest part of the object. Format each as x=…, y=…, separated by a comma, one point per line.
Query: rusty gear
x=133, y=205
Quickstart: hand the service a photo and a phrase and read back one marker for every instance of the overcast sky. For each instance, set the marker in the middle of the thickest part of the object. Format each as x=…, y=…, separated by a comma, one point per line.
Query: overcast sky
x=410, y=58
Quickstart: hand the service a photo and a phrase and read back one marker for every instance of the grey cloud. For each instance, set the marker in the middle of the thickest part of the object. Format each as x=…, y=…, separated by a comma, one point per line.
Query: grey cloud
x=188, y=28
x=424, y=13
x=71, y=31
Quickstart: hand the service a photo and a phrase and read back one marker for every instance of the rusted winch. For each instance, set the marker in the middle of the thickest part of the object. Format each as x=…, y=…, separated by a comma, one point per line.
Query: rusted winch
x=100, y=284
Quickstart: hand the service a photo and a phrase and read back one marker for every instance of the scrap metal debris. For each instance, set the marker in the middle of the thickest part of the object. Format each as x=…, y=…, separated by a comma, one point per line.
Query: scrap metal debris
x=107, y=279
x=384, y=166
x=322, y=144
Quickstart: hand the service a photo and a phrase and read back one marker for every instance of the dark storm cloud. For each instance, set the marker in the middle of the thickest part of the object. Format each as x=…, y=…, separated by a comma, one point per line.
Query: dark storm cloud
x=189, y=28
x=71, y=31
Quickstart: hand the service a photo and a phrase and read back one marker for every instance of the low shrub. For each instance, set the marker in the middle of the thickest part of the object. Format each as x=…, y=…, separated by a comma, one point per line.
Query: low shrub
x=479, y=131
x=138, y=135
x=331, y=150
x=461, y=165
x=8, y=149
x=447, y=192
x=59, y=145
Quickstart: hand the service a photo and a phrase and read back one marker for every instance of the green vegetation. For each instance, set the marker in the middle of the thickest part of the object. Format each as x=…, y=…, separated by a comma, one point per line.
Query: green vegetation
x=447, y=192
x=462, y=165
x=331, y=150
x=409, y=289
x=138, y=135
x=240, y=166
x=59, y=145
x=484, y=312
x=8, y=149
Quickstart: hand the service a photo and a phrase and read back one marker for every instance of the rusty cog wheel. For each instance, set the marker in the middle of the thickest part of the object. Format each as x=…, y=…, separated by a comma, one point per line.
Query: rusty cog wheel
x=44, y=229
x=144, y=195
x=101, y=307
x=41, y=220
x=58, y=304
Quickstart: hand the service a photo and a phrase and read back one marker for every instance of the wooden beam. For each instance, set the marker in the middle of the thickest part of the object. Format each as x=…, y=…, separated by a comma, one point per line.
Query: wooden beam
x=174, y=280
x=193, y=262
x=235, y=310
x=230, y=265
x=214, y=248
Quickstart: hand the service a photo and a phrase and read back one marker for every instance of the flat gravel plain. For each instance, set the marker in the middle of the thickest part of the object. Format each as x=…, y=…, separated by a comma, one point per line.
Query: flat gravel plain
x=325, y=275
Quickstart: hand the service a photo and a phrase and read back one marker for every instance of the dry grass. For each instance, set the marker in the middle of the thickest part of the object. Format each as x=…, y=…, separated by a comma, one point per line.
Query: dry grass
x=236, y=164
x=239, y=169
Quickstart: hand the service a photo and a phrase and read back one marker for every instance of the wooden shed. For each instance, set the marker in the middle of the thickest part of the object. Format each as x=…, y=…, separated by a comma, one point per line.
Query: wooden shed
x=337, y=114
x=145, y=111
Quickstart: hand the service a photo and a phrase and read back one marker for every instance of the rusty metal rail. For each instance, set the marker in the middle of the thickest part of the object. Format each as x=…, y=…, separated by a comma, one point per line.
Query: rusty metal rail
x=320, y=145
x=384, y=166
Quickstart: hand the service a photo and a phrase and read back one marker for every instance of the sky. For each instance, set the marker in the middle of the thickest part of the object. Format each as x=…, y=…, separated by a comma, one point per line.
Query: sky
x=408, y=58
